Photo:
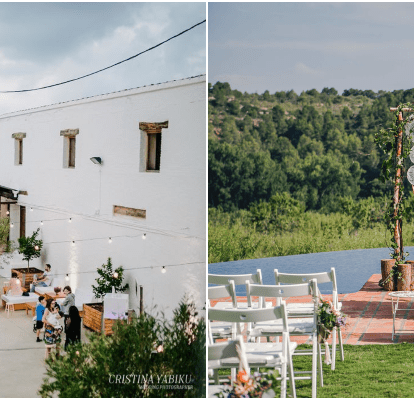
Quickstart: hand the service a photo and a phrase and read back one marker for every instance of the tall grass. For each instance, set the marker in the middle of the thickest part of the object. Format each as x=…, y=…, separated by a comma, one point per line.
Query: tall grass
x=235, y=238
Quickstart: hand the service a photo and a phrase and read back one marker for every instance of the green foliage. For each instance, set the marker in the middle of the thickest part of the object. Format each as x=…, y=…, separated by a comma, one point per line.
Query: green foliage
x=369, y=371
x=393, y=168
x=130, y=363
x=351, y=225
x=4, y=231
x=318, y=147
x=109, y=278
x=30, y=246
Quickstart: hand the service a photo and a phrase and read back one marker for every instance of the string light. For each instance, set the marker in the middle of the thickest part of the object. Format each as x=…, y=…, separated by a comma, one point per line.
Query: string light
x=115, y=275
x=7, y=212
x=11, y=225
x=163, y=269
x=70, y=219
x=110, y=240
x=37, y=248
x=31, y=208
x=73, y=242
x=41, y=222
x=144, y=236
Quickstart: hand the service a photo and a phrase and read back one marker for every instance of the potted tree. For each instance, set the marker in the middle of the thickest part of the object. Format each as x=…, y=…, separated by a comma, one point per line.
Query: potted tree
x=109, y=280
x=30, y=247
x=396, y=143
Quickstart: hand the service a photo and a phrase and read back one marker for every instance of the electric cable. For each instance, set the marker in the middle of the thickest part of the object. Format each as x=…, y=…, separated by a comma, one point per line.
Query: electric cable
x=103, y=69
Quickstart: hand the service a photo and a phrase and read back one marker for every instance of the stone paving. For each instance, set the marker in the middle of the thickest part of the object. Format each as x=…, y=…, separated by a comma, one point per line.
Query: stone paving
x=22, y=365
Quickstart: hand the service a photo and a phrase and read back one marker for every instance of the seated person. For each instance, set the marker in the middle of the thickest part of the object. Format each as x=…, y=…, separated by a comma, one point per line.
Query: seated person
x=15, y=286
x=45, y=280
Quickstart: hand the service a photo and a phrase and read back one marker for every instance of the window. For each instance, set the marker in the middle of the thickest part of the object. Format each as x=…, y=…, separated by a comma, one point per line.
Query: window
x=69, y=147
x=154, y=151
x=72, y=147
x=151, y=145
x=18, y=147
x=22, y=221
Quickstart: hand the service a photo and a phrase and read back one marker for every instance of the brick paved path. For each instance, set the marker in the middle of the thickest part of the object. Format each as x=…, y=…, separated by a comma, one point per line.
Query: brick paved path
x=370, y=316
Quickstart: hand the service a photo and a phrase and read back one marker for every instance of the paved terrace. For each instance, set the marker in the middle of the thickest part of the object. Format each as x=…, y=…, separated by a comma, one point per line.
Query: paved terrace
x=22, y=365
x=369, y=316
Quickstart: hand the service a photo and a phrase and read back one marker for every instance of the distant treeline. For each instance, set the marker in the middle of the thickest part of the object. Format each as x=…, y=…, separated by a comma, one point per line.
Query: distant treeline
x=316, y=147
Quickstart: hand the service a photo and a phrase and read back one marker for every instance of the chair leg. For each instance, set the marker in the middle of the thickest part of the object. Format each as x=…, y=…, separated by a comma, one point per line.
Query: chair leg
x=314, y=364
x=341, y=346
x=291, y=373
x=334, y=331
x=320, y=368
x=283, y=381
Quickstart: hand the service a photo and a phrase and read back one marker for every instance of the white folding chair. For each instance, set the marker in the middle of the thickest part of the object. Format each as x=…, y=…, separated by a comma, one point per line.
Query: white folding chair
x=297, y=326
x=225, y=353
x=238, y=279
x=305, y=309
x=219, y=329
x=271, y=355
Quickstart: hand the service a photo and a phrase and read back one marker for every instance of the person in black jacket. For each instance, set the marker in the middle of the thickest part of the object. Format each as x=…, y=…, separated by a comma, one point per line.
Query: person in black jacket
x=73, y=327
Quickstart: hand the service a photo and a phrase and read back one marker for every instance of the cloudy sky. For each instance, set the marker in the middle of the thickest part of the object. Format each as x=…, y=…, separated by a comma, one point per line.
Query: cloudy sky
x=301, y=46
x=46, y=43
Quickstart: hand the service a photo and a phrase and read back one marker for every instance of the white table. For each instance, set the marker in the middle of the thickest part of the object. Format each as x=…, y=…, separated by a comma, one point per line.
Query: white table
x=395, y=297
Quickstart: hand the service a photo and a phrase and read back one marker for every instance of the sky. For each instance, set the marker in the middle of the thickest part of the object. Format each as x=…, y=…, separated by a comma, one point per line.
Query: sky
x=47, y=43
x=302, y=46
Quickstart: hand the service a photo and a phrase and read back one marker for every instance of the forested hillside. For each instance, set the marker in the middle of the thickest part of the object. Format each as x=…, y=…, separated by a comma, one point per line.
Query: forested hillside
x=278, y=161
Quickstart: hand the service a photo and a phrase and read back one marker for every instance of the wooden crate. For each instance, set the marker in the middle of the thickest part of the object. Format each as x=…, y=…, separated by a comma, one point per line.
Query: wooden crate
x=92, y=319
x=28, y=275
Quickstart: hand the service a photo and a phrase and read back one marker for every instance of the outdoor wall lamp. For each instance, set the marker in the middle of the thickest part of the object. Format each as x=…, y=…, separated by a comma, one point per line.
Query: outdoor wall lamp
x=96, y=160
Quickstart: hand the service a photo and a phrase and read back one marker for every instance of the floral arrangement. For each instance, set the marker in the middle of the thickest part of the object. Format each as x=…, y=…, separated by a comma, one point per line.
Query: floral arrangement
x=329, y=318
x=248, y=386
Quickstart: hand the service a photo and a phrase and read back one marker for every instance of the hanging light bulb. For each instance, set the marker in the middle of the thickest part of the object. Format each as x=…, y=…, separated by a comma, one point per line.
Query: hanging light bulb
x=110, y=240
x=37, y=248
x=163, y=270
x=41, y=222
x=7, y=212
x=67, y=277
x=115, y=275
x=31, y=208
x=70, y=219
x=11, y=225
x=73, y=242
x=144, y=236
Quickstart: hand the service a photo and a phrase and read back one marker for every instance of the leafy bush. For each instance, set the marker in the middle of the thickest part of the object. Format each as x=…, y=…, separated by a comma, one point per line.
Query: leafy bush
x=151, y=357
x=30, y=246
x=109, y=278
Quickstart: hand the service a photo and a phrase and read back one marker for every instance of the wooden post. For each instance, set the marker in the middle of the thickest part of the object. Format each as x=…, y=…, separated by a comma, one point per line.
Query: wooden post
x=141, y=300
x=398, y=224
x=386, y=270
x=404, y=282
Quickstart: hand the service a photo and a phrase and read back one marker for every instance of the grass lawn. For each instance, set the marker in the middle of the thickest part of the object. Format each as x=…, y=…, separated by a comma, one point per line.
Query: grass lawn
x=369, y=371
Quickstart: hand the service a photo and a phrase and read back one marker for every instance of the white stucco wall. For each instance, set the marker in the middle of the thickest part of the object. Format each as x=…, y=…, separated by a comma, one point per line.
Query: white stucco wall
x=174, y=198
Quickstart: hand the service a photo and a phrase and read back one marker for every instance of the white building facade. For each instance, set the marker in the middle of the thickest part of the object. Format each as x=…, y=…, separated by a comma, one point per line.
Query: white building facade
x=140, y=201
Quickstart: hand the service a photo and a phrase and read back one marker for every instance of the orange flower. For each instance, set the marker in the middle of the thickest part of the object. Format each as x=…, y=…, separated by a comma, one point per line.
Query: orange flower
x=243, y=376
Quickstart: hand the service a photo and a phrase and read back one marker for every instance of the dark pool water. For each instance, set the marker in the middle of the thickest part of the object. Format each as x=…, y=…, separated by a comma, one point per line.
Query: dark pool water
x=353, y=267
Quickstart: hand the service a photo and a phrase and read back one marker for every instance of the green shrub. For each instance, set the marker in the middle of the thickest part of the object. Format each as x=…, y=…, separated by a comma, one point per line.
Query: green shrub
x=131, y=363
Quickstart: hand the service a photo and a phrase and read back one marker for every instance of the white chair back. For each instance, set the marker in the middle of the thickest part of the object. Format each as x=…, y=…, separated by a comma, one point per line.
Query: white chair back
x=321, y=277
x=249, y=315
x=238, y=279
x=218, y=352
x=227, y=290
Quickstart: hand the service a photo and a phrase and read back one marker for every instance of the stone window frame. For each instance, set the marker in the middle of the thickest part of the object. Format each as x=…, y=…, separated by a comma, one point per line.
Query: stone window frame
x=18, y=147
x=151, y=139
x=69, y=147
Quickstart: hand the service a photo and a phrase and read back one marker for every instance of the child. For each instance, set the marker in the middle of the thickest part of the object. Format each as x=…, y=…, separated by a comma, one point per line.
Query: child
x=40, y=309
